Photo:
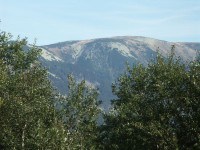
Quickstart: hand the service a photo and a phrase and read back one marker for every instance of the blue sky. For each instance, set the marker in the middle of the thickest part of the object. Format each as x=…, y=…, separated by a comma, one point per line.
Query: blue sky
x=51, y=21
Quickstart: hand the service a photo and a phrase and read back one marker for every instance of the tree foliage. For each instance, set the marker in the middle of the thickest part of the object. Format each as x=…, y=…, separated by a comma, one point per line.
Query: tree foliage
x=29, y=116
x=26, y=95
x=80, y=111
x=157, y=107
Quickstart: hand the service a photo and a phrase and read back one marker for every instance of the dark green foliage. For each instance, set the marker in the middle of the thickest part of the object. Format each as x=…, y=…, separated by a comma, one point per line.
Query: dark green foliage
x=28, y=116
x=26, y=96
x=157, y=107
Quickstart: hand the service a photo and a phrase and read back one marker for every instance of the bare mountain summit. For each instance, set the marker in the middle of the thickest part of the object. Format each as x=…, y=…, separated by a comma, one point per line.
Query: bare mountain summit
x=100, y=61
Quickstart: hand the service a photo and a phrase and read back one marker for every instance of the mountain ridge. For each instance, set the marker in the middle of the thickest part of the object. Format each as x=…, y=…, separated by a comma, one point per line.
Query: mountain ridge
x=100, y=61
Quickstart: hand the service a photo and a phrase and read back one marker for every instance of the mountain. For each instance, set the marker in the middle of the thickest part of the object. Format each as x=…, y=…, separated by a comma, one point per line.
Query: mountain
x=101, y=61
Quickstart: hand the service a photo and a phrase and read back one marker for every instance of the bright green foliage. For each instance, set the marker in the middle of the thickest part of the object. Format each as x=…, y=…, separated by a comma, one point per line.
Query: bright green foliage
x=157, y=107
x=80, y=112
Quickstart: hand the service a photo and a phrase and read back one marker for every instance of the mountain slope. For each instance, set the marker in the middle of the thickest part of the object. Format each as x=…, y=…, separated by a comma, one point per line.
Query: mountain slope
x=101, y=61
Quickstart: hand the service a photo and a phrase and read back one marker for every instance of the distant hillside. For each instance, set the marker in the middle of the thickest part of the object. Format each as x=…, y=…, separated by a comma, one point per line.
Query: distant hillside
x=101, y=61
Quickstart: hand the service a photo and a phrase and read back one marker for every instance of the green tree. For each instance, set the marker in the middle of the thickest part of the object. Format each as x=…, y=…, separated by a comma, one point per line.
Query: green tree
x=32, y=115
x=80, y=112
x=26, y=96
x=157, y=107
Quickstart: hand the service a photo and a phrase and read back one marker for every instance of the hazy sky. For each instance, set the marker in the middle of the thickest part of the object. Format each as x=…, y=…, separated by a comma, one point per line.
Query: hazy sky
x=51, y=21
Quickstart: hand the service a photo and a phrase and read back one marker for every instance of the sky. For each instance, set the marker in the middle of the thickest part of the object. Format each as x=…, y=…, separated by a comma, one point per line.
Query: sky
x=52, y=21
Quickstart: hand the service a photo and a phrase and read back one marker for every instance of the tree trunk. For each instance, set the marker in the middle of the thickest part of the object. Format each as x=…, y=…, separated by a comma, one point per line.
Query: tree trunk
x=23, y=137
